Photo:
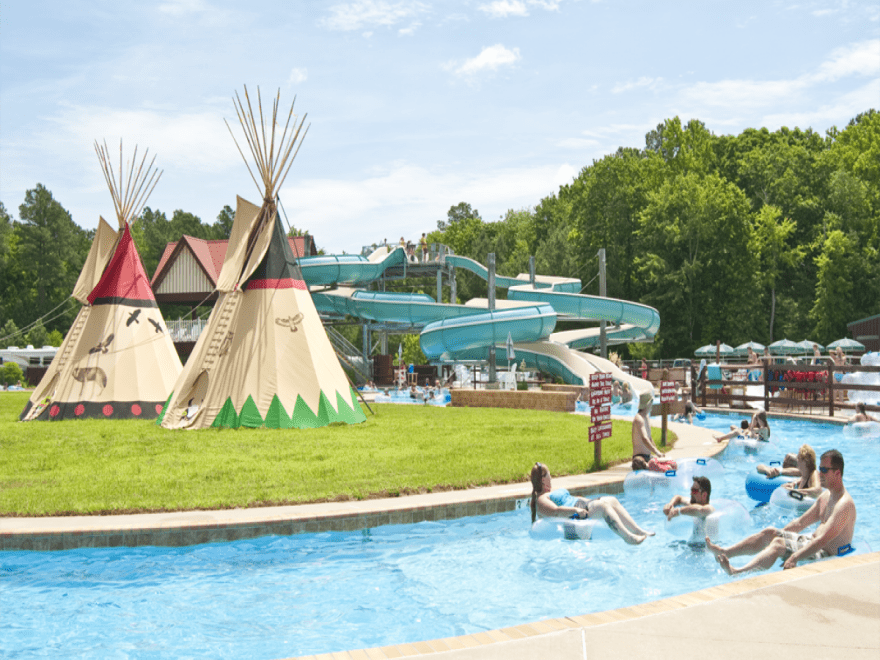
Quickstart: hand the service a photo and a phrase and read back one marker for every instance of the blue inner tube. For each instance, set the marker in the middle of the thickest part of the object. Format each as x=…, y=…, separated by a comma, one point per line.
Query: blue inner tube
x=759, y=487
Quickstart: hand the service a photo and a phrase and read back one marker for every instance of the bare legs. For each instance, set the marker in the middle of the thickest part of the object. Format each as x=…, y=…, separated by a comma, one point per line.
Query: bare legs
x=618, y=519
x=766, y=545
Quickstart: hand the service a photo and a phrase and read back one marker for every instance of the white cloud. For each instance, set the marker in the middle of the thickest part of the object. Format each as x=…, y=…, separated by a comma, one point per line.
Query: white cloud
x=861, y=59
x=298, y=75
x=823, y=12
x=650, y=83
x=838, y=113
x=194, y=140
x=406, y=200
x=410, y=30
x=742, y=93
x=490, y=58
x=364, y=13
x=505, y=8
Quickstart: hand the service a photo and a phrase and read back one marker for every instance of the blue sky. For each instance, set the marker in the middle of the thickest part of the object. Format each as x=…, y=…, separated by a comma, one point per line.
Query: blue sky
x=413, y=106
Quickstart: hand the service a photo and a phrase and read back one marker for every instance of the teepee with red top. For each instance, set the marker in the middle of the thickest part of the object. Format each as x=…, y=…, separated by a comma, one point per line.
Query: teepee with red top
x=117, y=360
x=264, y=358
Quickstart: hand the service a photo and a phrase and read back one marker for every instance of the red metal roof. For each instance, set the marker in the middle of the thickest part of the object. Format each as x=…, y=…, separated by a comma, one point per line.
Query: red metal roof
x=211, y=254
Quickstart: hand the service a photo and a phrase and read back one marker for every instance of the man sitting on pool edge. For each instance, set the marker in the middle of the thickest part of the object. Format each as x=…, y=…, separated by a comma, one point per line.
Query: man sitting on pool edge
x=834, y=510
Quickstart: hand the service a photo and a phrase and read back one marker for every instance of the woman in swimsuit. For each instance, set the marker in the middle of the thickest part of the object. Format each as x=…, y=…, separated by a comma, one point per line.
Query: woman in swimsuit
x=560, y=503
x=808, y=484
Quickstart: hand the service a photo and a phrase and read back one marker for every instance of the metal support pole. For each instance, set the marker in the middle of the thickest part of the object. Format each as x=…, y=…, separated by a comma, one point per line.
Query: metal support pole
x=603, y=337
x=439, y=285
x=490, y=263
x=453, y=292
x=365, y=350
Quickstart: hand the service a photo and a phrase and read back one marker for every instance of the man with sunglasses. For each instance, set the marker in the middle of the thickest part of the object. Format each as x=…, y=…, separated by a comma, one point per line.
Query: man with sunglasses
x=698, y=507
x=834, y=510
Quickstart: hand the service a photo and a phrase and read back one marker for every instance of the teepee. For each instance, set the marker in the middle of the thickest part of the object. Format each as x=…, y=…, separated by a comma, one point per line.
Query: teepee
x=264, y=358
x=117, y=360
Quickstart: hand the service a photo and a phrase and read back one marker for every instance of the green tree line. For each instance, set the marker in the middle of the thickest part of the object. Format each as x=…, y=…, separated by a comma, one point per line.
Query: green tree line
x=43, y=251
x=757, y=236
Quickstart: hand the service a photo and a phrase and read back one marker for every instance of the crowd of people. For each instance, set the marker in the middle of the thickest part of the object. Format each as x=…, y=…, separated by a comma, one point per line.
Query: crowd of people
x=832, y=511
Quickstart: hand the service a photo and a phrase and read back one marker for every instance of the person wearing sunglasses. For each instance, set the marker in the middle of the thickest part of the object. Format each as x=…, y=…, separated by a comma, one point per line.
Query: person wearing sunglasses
x=698, y=507
x=834, y=511
x=560, y=503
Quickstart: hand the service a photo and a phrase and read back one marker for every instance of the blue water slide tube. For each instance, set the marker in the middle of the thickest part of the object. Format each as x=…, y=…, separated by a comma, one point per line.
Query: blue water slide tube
x=595, y=308
x=347, y=268
x=637, y=321
x=451, y=337
x=412, y=309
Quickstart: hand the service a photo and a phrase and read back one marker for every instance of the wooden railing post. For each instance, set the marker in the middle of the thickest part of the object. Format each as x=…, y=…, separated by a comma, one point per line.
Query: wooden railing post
x=831, y=390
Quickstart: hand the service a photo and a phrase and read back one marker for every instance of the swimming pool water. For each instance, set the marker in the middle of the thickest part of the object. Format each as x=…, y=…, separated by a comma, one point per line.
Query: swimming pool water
x=314, y=593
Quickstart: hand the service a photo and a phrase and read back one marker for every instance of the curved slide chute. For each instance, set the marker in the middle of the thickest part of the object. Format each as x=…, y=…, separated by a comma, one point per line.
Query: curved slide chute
x=331, y=269
x=453, y=332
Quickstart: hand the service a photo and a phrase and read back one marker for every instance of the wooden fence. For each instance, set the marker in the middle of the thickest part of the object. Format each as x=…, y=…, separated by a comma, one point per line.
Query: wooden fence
x=813, y=388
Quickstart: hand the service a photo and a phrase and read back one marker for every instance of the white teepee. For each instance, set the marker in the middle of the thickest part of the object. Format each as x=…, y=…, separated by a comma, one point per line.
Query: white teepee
x=264, y=358
x=117, y=360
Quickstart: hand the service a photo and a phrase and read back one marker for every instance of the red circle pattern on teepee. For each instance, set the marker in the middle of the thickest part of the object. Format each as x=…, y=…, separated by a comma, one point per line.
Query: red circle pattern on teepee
x=107, y=410
x=136, y=410
x=53, y=411
x=159, y=407
x=79, y=410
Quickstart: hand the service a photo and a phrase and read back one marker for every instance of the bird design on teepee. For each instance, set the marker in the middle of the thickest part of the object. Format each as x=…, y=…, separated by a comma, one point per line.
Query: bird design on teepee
x=110, y=364
x=264, y=359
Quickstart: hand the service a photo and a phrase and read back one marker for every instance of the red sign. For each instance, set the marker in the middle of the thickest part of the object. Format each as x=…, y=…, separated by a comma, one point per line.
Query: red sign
x=600, y=414
x=600, y=380
x=667, y=391
x=600, y=398
x=600, y=431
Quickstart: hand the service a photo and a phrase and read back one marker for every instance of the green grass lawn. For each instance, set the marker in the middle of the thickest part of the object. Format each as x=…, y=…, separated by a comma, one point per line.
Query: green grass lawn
x=101, y=466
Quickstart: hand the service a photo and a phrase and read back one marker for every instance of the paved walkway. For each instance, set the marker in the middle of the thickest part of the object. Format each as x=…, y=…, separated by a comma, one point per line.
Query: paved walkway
x=830, y=607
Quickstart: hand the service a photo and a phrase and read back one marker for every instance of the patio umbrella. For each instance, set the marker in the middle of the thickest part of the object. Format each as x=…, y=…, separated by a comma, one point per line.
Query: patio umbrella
x=848, y=345
x=807, y=345
x=743, y=349
x=785, y=347
x=709, y=350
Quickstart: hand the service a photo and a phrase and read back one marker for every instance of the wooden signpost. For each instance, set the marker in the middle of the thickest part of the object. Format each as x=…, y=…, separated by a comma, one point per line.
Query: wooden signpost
x=600, y=412
x=667, y=396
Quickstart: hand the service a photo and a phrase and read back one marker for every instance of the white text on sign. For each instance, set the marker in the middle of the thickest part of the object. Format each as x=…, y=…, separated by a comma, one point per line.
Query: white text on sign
x=667, y=391
x=600, y=380
x=600, y=431
x=600, y=414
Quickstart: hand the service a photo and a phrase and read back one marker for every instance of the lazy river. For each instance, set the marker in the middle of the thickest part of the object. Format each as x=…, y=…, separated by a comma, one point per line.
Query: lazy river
x=316, y=593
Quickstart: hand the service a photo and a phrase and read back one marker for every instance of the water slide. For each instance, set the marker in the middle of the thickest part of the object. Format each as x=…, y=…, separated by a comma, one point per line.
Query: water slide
x=452, y=332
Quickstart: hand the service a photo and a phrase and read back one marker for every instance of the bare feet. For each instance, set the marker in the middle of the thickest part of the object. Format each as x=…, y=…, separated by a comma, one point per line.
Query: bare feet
x=714, y=549
x=725, y=563
x=649, y=533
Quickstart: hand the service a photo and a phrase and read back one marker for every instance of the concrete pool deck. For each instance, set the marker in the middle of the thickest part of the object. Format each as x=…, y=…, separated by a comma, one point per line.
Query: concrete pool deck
x=832, y=605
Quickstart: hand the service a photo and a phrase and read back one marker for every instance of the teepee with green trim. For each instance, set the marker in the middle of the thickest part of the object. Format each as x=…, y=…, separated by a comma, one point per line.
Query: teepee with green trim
x=264, y=358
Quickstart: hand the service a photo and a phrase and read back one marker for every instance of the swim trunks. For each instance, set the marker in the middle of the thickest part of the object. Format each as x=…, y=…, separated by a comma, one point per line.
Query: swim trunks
x=838, y=377
x=647, y=457
x=795, y=541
